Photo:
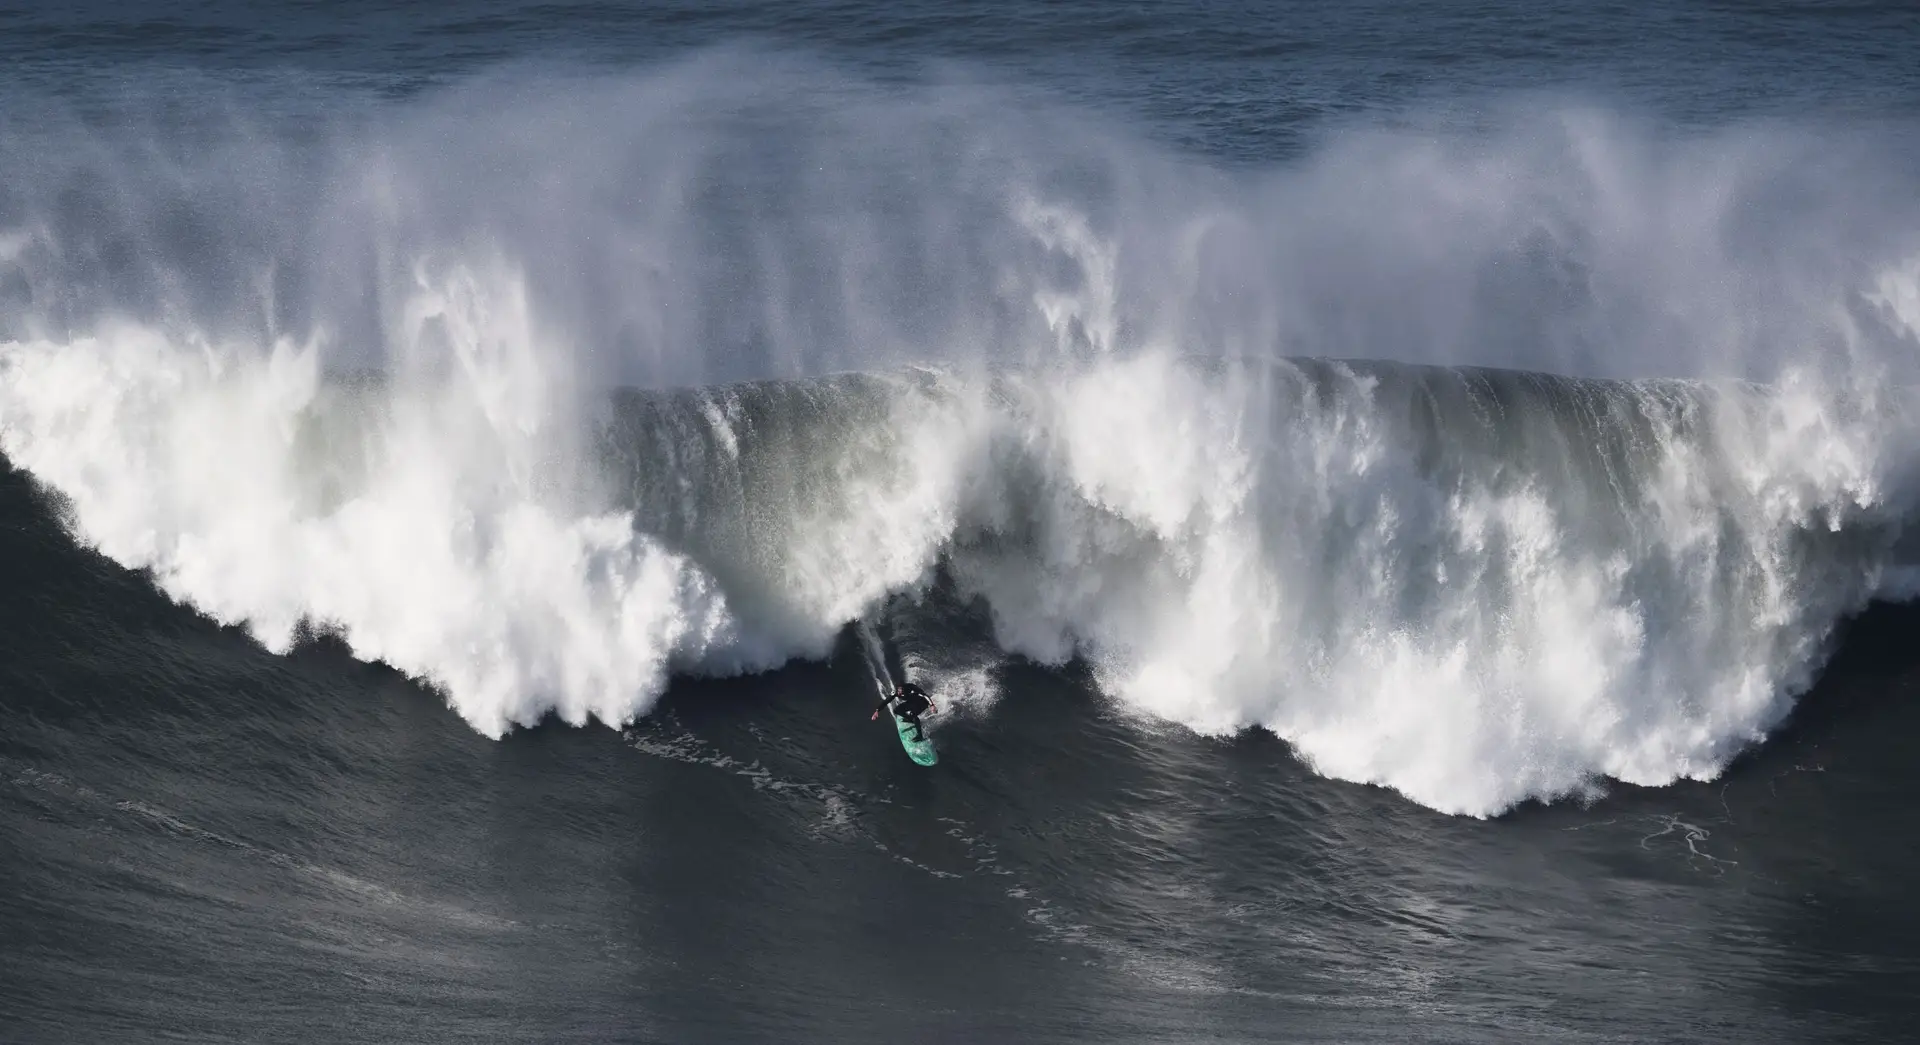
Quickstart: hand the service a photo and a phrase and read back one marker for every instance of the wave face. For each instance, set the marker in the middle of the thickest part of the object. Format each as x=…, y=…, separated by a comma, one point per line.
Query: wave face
x=362, y=374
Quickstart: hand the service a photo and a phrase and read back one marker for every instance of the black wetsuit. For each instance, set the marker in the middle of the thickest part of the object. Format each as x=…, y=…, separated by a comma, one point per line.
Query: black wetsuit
x=913, y=700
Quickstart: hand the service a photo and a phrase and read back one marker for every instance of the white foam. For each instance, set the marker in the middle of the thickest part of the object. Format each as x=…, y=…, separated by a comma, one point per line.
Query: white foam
x=443, y=557
x=1232, y=557
x=1229, y=553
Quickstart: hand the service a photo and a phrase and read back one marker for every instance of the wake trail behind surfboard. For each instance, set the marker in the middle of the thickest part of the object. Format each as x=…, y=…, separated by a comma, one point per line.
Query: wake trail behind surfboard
x=876, y=655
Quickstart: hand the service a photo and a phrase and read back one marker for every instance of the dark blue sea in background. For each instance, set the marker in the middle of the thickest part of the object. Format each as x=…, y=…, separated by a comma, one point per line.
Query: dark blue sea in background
x=1404, y=509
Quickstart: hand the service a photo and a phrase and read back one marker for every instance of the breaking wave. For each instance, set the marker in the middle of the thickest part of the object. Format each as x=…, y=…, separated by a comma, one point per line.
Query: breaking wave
x=545, y=390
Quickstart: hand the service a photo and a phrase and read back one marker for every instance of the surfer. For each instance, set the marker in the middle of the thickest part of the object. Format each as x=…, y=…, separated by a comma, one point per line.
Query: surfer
x=913, y=700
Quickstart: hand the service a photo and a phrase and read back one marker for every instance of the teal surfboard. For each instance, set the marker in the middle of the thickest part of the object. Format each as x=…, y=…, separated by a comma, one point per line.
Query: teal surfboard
x=921, y=751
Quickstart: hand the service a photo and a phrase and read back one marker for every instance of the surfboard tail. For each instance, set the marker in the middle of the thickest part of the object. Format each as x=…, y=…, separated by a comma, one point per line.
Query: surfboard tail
x=921, y=751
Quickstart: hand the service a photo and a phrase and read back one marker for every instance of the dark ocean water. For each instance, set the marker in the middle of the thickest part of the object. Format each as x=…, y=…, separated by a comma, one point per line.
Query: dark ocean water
x=467, y=470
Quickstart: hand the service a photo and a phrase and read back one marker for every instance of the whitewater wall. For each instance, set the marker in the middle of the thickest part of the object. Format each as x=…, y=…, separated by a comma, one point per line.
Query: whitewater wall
x=677, y=376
